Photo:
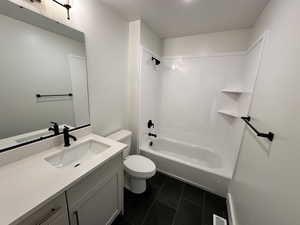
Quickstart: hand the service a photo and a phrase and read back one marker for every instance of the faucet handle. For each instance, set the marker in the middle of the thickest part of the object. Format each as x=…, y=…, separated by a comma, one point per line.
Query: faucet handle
x=66, y=128
x=54, y=123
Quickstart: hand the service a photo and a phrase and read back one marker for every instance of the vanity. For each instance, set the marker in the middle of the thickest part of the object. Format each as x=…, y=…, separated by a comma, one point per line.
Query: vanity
x=80, y=184
x=53, y=169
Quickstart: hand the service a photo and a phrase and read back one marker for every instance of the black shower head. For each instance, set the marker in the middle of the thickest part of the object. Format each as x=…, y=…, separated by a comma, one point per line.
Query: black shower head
x=156, y=61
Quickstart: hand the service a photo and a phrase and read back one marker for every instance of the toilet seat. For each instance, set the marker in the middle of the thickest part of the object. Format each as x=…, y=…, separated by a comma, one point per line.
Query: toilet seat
x=139, y=166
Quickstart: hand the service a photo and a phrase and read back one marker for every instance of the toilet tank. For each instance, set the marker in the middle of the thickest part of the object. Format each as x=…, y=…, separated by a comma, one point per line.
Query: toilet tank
x=123, y=136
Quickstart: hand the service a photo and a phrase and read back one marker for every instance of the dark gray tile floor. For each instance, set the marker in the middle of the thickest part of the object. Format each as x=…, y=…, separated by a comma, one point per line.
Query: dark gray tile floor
x=168, y=201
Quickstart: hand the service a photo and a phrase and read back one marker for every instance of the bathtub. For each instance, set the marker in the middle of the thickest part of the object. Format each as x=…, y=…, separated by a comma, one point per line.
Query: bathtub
x=190, y=163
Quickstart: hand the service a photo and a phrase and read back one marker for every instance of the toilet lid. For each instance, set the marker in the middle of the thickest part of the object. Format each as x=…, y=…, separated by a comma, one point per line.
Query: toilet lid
x=139, y=166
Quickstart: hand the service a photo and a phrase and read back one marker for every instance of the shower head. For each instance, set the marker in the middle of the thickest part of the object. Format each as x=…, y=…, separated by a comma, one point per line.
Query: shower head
x=156, y=61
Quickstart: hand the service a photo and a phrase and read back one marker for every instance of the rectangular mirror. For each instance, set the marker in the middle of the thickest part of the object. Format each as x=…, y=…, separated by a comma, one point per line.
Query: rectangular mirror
x=43, y=76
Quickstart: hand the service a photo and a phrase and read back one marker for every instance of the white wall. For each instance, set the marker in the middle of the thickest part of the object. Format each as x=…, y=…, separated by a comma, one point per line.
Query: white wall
x=203, y=44
x=107, y=57
x=134, y=57
x=150, y=95
x=34, y=61
x=265, y=188
x=150, y=40
x=140, y=36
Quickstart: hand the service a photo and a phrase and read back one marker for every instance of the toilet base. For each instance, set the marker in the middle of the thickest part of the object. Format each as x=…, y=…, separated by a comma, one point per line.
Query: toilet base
x=137, y=186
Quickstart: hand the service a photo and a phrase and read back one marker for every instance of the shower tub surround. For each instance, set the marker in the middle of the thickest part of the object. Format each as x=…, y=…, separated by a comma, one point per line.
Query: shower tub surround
x=196, y=104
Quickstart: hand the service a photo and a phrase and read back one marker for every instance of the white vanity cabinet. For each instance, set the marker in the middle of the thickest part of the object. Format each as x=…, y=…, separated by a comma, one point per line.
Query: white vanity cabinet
x=53, y=213
x=98, y=198
x=95, y=199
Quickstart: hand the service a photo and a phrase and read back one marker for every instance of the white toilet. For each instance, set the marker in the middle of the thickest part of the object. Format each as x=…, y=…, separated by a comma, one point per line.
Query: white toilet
x=137, y=167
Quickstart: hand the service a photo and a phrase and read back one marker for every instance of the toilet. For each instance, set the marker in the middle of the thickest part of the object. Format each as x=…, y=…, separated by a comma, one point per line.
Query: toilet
x=137, y=167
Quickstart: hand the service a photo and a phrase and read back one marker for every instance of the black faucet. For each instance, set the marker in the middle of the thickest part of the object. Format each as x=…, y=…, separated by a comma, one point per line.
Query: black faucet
x=54, y=128
x=67, y=137
x=152, y=135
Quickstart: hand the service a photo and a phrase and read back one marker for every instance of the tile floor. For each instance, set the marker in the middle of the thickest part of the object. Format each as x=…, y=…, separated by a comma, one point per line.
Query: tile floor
x=168, y=201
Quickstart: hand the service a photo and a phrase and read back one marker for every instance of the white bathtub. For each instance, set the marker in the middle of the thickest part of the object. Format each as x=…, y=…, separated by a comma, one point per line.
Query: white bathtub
x=190, y=163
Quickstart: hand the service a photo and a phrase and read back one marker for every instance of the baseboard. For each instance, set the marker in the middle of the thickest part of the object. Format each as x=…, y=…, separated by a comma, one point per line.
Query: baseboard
x=231, y=210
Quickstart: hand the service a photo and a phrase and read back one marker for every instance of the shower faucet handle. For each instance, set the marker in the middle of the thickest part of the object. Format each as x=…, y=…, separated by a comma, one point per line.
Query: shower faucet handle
x=152, y=135
x=150, y=124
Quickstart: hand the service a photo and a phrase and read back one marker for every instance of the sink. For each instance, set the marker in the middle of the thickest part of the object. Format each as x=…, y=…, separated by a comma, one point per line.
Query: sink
x=74, y=156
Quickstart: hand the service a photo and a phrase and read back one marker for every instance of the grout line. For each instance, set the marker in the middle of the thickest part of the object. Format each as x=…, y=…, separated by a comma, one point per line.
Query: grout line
x=180, y=200
x=152, y=204
x=179, y=203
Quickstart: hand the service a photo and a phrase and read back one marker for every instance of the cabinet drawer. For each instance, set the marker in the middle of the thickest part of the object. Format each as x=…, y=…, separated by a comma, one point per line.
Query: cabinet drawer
x=88, y=184
x=54, y=213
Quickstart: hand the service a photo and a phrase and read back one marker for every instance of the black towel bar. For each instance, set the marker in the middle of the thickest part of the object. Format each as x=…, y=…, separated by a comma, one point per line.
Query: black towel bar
x=57, y=95
x=269, y=136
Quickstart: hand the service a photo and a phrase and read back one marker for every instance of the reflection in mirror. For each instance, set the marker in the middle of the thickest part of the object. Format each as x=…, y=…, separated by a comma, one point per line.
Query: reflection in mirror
x=43, y=79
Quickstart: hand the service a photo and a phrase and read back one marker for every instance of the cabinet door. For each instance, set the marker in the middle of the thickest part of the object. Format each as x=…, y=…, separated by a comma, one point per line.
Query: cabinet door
x=100, y=206
x=57, y=219
x=53, y=213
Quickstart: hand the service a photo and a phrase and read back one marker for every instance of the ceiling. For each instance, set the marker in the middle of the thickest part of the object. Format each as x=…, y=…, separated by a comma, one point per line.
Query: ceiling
x=174, y=18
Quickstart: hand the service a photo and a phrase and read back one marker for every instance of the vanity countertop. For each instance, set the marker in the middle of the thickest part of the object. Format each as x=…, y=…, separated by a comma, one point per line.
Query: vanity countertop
x=30, y=183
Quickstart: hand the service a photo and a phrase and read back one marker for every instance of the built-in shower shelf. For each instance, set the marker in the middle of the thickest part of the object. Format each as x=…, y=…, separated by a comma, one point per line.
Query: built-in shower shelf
x=233, y=91
x=229, y=113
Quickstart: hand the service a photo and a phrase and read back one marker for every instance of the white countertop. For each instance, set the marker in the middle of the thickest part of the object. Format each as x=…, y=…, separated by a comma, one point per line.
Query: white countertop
x=29, y=183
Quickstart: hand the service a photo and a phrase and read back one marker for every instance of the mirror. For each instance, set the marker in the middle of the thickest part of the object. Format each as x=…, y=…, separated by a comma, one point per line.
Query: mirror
x=43, y=76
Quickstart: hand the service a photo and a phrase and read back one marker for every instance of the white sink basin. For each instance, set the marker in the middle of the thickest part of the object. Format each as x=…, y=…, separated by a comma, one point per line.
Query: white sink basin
x=74, y=156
